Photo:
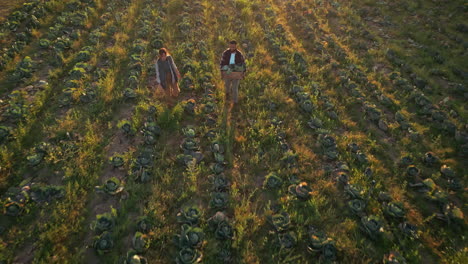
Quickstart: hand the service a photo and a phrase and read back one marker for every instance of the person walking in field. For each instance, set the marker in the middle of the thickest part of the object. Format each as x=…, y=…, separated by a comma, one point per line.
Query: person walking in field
x=167, y=74
x=233, y=69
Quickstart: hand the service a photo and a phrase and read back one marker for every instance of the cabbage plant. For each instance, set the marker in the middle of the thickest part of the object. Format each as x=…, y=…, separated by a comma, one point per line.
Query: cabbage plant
x=281, y=222
x=447, y=171
x=272, y=181
x=104, y=222
x=190, y=237
x=133, y=258
x=103, y=243
x=5, y=133
x=112, y=186
x=408, y=229
x=188, y=256
x=357, y=206
x=354, y=191
x=371, y=226
x=395, y=210
x=13, y=208
x=46, y=193
x=219, y=200
x=220, y=182
x=319, y=244
x=117, y=161
x=287, y=240
x=189, y=215
x=144, y=224
x=224, y=231
x=140, y=242
x=301, y=190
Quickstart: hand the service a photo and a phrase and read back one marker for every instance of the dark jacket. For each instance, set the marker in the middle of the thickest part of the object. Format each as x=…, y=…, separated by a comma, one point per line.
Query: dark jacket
x=161, y=76
x=227, y=56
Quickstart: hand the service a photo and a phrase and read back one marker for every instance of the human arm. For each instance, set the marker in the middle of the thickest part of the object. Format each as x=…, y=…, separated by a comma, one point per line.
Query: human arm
x=158, y=80
x=174, y=67
x=224, y=60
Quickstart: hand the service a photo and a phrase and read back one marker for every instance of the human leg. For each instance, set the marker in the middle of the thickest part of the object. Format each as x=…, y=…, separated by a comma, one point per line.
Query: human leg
x=227, y=87
x=235, y=90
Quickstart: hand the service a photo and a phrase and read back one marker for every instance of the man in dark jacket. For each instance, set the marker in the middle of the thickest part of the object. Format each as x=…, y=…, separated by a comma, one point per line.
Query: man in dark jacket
x=232, y=60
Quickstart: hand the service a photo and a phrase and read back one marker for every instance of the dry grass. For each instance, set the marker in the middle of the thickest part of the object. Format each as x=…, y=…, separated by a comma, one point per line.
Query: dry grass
x=6, y=6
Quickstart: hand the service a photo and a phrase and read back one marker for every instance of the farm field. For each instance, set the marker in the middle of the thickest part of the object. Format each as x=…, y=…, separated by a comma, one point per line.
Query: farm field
x=349, y=143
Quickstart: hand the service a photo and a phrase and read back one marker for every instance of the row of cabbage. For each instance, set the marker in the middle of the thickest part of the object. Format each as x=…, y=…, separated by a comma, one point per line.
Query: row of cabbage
x=71, y=138
x=370, y=224
x=141, y=168
x=192, y=240
x=26, y=104
x=17, y=113
x=442, y=116
x=17, y=29
x=452, y=182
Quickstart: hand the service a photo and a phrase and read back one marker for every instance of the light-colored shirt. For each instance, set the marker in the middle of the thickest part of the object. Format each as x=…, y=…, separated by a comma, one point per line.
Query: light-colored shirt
x=233, y=58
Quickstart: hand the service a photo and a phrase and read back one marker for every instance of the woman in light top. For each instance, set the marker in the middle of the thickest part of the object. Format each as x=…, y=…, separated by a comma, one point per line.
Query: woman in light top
x=167, y=74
